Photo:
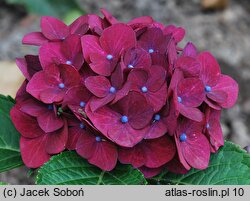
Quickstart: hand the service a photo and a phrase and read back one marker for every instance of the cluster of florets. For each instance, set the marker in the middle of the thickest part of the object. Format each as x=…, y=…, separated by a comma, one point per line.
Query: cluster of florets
x=123, y=92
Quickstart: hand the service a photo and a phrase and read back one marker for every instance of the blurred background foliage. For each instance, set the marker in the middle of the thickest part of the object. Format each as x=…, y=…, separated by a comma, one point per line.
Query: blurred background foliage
x=67, y=10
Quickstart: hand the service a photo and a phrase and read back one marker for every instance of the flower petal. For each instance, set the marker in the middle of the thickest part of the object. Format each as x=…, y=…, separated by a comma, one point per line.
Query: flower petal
x=53, y=29
x=56, y=141
x=191, y=91
x=25, y=124
x=98, y=85
x=49, y=122
x=210, y=69
x=34, y=38
x=116, y=38
x=158, y=151
x=230, y=87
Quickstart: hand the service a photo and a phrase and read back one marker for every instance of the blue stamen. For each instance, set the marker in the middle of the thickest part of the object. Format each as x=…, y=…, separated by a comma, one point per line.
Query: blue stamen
x=112, y=90
x=82, y=126
x=98, y=139
x=130, y=66
x=61, y=85
x=183, y=137
x=207, y=125
x=151, y=51
x=179, y=99
x=157, y=117
x=124, y=119
x=144, y=89
x=82, y=104
x=208, y=88
x=69, y=62
x=50, y=107
x=109, y=57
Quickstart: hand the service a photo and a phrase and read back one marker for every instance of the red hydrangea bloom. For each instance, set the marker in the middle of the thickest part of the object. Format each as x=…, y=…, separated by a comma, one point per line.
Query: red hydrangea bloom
x=192, y=145
x=103, y=53
x=69, y=51
x=51, y=84
x=120, y=92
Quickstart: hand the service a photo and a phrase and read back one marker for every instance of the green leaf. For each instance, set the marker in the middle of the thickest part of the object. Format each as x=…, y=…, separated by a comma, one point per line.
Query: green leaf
x=9, y=137
x=56, y=8
x=69, y=168
x=3, y=183
x=231, y=165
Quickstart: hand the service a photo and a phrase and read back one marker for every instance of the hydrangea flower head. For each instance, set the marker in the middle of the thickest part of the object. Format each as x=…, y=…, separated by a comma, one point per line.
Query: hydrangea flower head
x=120, y=92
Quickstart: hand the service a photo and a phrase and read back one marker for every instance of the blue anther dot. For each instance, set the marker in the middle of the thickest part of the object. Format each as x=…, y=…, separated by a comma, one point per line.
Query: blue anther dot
x=112, y=90
x=207, y=125
x=69, y=62
x=82, y=126
x=82, y=104
x=144, y=89
x=61, y=85
x=124, y=119
x=50, y=107
x=109, y=57
x=130, y=66
x=208, y=88
x=179, y=99
x=183, y=137
x=157, y=117
x=98, y=139
x=151, y=50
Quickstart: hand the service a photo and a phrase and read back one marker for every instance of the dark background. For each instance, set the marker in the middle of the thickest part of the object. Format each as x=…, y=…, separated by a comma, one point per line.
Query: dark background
x=220, y=26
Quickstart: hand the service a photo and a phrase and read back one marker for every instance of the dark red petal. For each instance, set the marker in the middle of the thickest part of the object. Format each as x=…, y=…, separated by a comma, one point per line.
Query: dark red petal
x=176, y=78
x=191, y=91
x=108, y=122
x=101, y=65
x=217, y=96
x=80, y=26
x=158, y=151
x=150, y=172
x=229, y=86
x=137, y=78
x=72, y=80
x=210, y=69
x=109, y=17
x=53, y=29
x=102, y=154
x=116, y=38
x=49, y=122
x=52, y=95
x=157, y=99
x=25, y=124
x=98, y=85
x=33, y=107
x=34, y=38
x=137, y=57
x=189, y=66
x=213, y=128
x=56, y=141
x=105, y=156
x=91, y=45
x=196, y=150
x=191, y=113
x=139, y=112
x=157, y=129
x=73, y=135
x=33, y=151
x=134, y=156
x=176, y=167
x=96, y=103
x=156, y=79
x=85, y=145
x=189, y=50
